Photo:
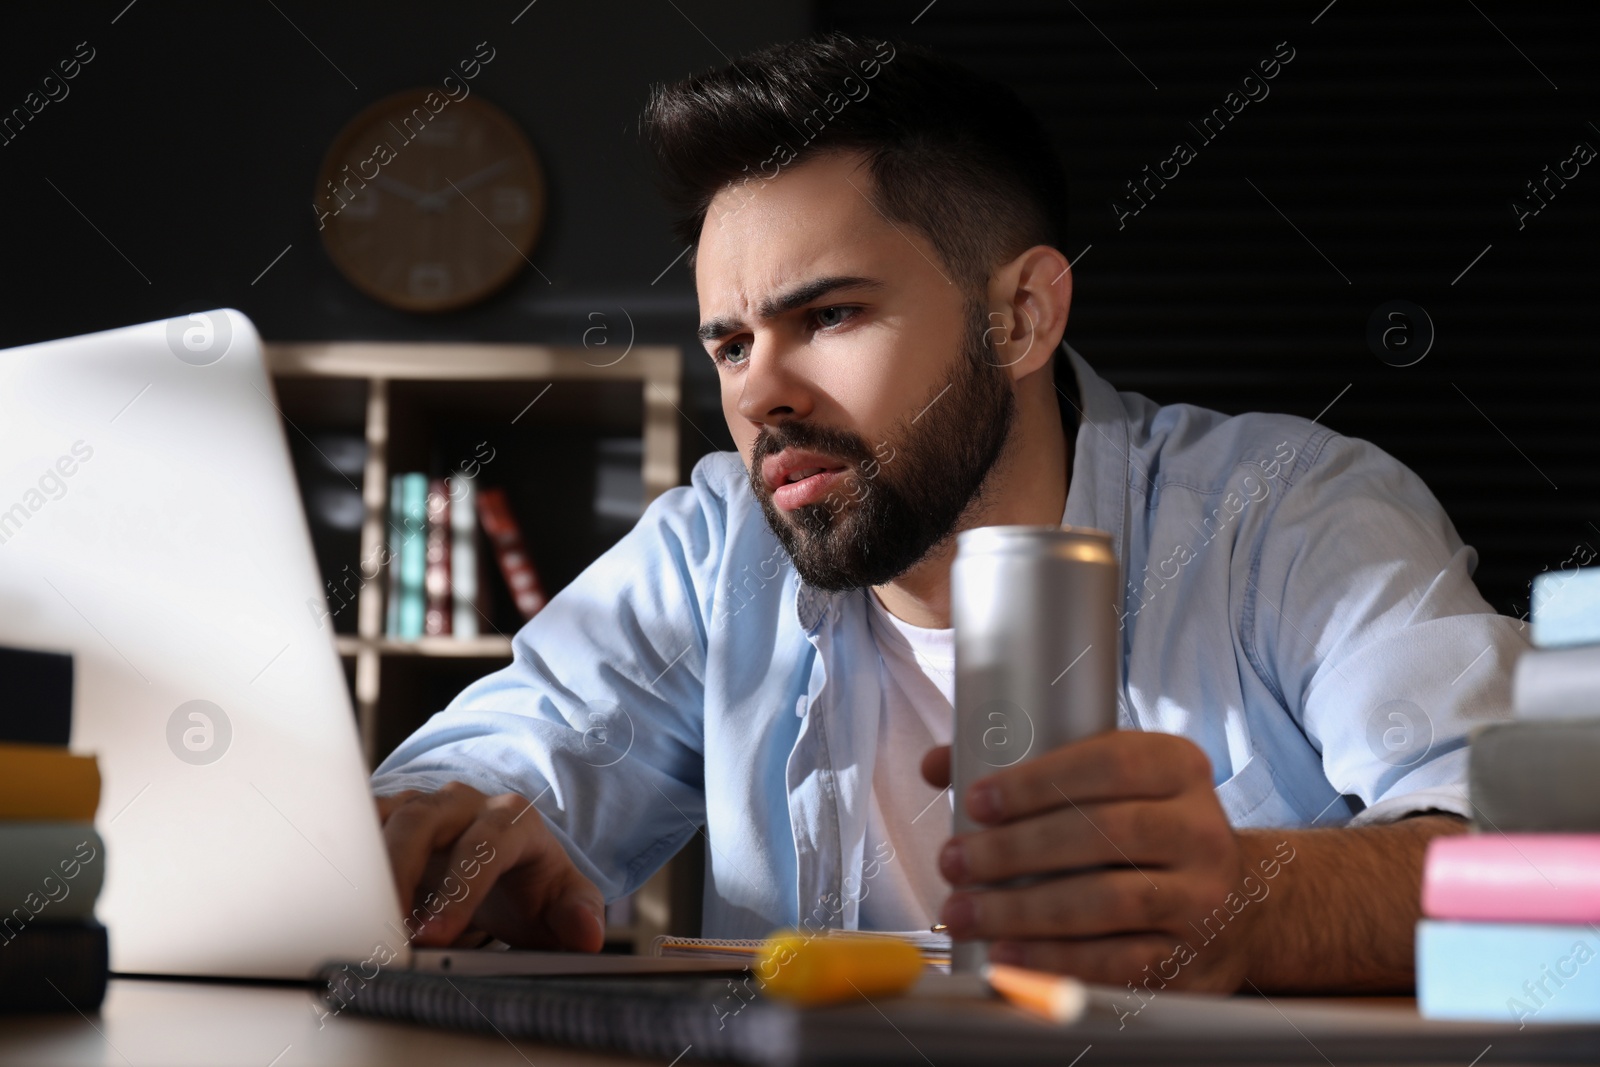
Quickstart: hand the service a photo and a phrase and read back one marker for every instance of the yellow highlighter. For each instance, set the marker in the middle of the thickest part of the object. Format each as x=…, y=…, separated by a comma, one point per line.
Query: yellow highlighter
x=824, y=970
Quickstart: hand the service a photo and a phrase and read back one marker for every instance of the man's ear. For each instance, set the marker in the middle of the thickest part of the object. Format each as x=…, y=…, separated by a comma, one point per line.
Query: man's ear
x=1028, y=302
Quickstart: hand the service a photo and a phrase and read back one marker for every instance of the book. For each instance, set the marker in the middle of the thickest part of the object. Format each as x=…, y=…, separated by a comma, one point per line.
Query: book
x=1535, y=776
x=494, y=511
x=38, y=698
x=46, y=782
x=395, y=535
x=463, y=555
x=413, y=553
x=1517, y=878
x=1516, y=973
x=55, y=967
x=1566, y=607
x=1561, y=683
x=49, y=872
x=436, y=577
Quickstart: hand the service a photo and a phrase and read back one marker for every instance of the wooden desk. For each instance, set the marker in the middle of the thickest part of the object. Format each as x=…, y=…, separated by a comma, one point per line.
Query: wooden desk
x=175, y=1024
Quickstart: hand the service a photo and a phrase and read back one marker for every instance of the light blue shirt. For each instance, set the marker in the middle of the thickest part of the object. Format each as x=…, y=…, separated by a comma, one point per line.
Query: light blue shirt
x=1296, y=603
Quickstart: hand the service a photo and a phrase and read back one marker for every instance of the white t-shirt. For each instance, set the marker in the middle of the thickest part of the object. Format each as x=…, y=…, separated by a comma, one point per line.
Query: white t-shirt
x=908, y=821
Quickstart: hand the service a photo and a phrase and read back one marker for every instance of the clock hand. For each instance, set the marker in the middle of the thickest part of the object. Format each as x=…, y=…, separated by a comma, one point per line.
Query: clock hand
x=401, y=189
x=436, y=200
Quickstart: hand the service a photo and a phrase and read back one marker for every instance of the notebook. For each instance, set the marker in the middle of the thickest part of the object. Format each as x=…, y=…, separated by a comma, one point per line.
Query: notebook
x=944, y=1020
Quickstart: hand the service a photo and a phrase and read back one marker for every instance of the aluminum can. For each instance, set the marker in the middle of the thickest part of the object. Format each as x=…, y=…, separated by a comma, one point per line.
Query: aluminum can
x=1037, y=650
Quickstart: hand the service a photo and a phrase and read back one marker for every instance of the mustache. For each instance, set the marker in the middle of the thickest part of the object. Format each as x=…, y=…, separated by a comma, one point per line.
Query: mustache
x=845, y=445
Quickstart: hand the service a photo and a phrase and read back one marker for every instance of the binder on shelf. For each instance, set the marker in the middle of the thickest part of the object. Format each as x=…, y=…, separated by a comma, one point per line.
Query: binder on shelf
x=394, y=535
x=463, y=495
x=436, y=579
x=413, y=553
x=494, y=511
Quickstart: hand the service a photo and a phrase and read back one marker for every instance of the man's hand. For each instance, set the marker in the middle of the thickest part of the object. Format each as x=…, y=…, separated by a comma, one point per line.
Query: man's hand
x=462, y=858
x=1136, y=852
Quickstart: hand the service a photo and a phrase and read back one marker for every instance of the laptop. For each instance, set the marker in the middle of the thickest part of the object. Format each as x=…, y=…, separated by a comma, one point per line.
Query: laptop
x=150, y=525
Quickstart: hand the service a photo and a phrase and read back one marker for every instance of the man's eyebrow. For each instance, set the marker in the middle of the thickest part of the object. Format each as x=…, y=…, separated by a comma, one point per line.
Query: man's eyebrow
x=798, y=297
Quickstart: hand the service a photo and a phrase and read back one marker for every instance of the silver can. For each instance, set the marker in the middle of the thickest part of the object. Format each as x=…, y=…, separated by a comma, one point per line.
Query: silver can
x=1037, y=654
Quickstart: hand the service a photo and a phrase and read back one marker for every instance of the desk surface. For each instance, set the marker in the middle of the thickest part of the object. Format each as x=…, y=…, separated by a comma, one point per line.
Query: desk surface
x=174, y=1024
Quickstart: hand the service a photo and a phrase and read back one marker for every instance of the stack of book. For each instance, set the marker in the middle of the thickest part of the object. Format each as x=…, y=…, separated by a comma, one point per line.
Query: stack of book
x=53, y=954
x=434, y=576
x=1512, y=912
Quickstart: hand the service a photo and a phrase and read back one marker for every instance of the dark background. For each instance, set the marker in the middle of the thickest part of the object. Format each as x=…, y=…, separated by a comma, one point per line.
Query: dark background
x=1384, y=161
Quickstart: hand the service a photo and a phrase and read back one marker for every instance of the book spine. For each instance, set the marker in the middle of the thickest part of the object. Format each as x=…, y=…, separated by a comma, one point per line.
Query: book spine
x=42, y=683
x=55, y=967
x=413, y=553
x=1566, y=607
x=396, y=534
x=464, y=555
x=1534, y=878
x=436, y=580
x=1508, y=972
x=52, y=871
x=515, y=565
x=1557, y=684
x=1536, y=777
x=44, y=782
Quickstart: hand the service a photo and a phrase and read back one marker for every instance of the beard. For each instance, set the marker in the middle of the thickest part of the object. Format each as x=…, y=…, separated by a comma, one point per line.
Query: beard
x=905, y=497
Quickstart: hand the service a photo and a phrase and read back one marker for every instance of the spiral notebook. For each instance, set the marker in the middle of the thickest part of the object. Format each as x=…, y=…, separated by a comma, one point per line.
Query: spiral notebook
x=942, y=1021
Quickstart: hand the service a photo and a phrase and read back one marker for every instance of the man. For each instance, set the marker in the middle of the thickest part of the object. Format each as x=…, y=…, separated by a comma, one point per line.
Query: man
x=768, y=653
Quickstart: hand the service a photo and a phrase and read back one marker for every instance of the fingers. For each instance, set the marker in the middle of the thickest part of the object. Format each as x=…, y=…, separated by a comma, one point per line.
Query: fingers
x=1109, y=961
x=505, y=832
x=1094, y=904
x=421, y=824
x=394, y=800
x=544, y=902
x=936, y=767
x=1117, y=765
x=1077, y=836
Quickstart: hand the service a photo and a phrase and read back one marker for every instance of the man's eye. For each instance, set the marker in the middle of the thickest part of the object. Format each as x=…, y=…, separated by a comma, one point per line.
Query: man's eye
x=734, y=352
x=831, y=316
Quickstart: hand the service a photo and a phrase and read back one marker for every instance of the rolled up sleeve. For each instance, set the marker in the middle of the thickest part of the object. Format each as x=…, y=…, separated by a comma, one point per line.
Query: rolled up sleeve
x=1380, y=644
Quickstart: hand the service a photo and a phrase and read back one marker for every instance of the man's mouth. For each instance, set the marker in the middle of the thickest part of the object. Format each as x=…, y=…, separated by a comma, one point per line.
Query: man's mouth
x=796, y=477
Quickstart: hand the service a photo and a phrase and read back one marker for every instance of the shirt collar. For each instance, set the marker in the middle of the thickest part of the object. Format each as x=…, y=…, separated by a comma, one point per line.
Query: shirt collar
x=1096, y=496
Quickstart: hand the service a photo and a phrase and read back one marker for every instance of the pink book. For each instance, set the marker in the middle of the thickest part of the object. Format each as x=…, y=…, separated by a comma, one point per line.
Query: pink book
x=1496, y=877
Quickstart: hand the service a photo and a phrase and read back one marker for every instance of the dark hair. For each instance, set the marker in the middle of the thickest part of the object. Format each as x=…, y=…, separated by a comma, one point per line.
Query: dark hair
x=956, y=156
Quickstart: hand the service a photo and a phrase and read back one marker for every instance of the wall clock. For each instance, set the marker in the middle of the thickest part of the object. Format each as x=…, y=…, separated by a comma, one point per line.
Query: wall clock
x=427, y=203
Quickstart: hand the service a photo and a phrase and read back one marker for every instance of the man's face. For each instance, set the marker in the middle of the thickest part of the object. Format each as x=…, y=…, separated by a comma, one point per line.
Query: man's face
x=855, y=377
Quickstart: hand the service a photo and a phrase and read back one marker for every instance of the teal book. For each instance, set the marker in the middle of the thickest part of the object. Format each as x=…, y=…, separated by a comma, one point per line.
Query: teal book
x=1517, y=973
x=413, y=553
x=394, y=536
x=49, y=872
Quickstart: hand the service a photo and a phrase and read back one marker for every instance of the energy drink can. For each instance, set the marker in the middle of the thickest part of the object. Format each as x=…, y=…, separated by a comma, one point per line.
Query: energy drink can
x=1037, y=654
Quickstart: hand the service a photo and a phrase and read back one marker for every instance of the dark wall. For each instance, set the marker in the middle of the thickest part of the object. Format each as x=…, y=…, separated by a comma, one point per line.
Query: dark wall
x=1386, y=158
x=189, y=146
x=1383, y=159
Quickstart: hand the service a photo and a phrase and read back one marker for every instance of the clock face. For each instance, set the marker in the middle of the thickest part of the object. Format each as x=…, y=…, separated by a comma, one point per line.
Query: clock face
x=427, y=203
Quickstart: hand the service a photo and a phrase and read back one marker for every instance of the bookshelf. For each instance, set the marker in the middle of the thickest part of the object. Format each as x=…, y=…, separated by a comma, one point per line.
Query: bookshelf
x=554, y=422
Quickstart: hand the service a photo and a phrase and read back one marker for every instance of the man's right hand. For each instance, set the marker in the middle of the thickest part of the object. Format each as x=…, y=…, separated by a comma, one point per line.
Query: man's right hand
x=464, y=861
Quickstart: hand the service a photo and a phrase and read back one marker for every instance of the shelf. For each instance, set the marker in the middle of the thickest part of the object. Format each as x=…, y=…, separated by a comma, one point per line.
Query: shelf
x=490, y=646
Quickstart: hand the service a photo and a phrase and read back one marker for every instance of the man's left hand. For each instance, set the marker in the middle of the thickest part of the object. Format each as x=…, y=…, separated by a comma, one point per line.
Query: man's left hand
x=1135, y=852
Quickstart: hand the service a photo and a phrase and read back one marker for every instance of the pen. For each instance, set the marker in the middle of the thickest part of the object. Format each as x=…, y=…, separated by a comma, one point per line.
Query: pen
x=1055, y=998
